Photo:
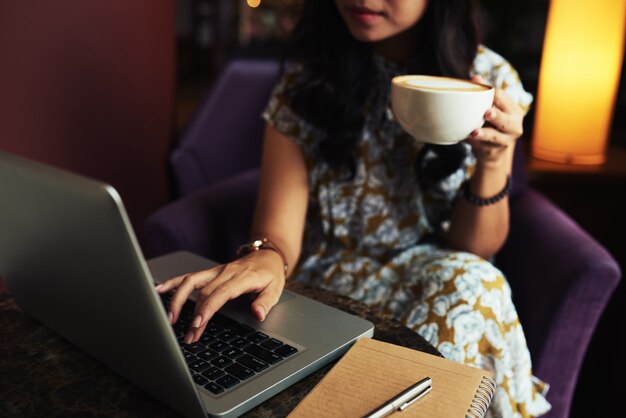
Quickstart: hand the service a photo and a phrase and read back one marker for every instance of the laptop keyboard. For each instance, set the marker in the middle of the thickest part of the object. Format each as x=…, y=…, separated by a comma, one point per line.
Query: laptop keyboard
x=228, y=352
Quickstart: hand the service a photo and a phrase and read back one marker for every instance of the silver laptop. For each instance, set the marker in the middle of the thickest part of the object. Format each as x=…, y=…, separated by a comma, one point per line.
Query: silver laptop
x=71, y=260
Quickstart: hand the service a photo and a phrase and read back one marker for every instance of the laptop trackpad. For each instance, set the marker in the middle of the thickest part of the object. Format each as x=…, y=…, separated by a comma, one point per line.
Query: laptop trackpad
x=244, y=301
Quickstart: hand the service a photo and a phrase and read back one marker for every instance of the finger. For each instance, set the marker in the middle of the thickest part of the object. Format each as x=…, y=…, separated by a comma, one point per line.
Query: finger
x=504, y=122
x=190, y=336
x=200, y=320
x=195, y=330
x=194, y=334
x=502, y=101
x=266, y=300
x=490, y=136
x=240, y=282
x=485, y=151
x=230, y=289
x=169, y=284
x=179, y=298
x=188, y=284
x=201, y=316
x=478, y=79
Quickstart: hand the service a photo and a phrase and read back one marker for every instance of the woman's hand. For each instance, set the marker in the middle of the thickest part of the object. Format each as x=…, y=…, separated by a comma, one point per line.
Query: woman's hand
x=504, y=125
x=259, y=272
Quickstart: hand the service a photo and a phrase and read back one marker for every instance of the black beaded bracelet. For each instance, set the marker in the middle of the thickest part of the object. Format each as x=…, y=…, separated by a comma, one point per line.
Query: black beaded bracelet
x=479, y=201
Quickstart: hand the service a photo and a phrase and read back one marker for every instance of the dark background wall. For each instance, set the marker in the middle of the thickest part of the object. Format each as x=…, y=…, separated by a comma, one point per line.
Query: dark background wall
x=89, y=86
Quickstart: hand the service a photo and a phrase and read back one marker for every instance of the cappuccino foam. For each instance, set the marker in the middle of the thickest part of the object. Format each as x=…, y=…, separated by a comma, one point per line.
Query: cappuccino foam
x=440, y=83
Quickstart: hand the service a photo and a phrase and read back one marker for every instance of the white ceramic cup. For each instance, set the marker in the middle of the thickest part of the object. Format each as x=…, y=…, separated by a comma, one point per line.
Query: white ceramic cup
x=439, y=110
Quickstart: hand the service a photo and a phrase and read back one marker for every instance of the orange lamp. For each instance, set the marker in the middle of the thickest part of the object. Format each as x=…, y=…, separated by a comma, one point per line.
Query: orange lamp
x=580, y=69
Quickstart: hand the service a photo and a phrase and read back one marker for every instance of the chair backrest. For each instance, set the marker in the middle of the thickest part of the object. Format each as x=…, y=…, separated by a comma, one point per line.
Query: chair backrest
x=225, y=135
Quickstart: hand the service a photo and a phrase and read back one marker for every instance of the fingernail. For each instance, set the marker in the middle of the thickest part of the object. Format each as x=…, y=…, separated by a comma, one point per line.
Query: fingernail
x=476, y=132
x=197, y=321
x=160, y=285
x=489, y=114
x=188, y=337
x=170, y=316
x=260, y=313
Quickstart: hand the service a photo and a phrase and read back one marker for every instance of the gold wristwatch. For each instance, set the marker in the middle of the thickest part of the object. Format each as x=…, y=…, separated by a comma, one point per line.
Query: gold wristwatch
x=262, y=244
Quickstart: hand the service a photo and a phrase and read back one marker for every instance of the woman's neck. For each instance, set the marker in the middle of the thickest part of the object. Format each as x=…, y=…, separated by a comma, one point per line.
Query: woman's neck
x=398, y=48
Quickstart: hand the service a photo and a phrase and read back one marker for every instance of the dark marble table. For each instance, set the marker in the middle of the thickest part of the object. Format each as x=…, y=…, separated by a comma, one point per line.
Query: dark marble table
x=41, y=374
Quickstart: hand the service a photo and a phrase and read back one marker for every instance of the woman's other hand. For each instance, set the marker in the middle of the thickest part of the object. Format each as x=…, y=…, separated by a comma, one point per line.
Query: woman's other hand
x=504, y=125
x=259, y=272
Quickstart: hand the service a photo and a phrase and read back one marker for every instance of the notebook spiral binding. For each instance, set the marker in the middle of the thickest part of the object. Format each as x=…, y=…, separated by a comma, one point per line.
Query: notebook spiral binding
x=482, y=398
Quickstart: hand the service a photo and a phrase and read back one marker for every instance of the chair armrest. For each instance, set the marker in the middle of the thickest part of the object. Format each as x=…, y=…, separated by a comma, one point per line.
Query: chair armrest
x=212, y=221
x=561, y=279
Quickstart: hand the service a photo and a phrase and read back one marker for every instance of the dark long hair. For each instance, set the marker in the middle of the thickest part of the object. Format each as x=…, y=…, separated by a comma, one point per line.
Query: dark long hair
x=338, y=71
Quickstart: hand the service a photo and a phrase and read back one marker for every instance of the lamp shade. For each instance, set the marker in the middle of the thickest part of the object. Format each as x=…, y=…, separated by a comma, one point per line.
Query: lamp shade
x=580, y=69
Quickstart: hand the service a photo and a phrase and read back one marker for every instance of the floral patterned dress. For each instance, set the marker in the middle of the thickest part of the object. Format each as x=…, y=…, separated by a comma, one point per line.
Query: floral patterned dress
x=369, y=238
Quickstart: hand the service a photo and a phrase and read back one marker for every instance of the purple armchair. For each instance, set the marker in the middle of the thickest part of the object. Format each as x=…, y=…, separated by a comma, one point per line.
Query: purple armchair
x=561, y=277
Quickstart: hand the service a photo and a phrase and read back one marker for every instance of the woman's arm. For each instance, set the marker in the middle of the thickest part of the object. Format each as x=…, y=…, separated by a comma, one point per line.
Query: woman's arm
x=482, y=230
x=279, y=216
x=283, y=196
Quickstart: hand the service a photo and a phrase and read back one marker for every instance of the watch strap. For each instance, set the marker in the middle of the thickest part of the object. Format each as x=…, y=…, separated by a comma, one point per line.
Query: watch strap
x=262, y=244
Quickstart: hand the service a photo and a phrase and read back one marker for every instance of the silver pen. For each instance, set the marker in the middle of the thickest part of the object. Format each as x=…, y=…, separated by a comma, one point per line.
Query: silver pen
x=403, y=400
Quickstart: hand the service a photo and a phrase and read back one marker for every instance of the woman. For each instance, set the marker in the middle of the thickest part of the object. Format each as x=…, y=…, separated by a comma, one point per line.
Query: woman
x=349, y=202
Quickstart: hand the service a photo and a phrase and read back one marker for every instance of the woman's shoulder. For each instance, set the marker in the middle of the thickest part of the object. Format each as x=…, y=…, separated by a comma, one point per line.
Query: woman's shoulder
x=489, y=63
x=280, y=113
x=499, y=72
x=291, y=72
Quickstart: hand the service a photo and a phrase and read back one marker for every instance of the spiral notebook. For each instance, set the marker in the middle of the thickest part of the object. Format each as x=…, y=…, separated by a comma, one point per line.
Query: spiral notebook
x=372, y=372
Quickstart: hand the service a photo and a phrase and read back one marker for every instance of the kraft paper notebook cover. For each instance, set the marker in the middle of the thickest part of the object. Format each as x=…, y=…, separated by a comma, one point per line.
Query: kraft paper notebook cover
x=372, y=372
